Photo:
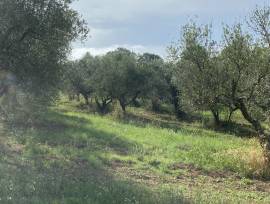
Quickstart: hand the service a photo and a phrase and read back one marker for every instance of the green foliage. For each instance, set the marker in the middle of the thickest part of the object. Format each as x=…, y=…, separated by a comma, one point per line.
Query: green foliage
x=73, y=157
x=35, y=39
x=232, y=76
x=198, y=72
x=156, y=87
x=79, y=76
x=240, y=56
x=121, y=76
x=124, y=80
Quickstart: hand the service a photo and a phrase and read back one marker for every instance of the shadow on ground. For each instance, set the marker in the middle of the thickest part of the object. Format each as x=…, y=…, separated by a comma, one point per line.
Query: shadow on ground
x=233, y=128
x=169, y=122
x=162, y=121
x=62, y=162
x=72, y=131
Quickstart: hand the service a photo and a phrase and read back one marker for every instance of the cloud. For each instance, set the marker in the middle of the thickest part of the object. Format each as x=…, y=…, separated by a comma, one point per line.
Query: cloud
x=151, y=25
x=121, y=11
x=77, y=53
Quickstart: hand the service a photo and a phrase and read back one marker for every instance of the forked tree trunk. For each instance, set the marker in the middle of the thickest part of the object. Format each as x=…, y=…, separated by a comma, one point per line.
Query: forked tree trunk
x=102, y=106
x=232, y=110
x=124, y=102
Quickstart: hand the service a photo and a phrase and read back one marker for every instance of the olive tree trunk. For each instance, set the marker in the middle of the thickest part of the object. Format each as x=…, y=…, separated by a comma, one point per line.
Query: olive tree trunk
x=264, y=137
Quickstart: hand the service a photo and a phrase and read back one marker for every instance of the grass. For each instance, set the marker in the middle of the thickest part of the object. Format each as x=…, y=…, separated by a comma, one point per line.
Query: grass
x=72, y=156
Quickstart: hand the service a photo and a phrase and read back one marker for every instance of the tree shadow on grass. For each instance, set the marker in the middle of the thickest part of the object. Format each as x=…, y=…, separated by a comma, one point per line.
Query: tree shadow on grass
x=163, y=121
x=236, y=129
x=74, y=182
x=52, y=176
x=166, y=121
x=72, y=131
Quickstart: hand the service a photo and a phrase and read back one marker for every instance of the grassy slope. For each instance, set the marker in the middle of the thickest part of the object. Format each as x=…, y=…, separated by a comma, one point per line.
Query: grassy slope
x=75, y=157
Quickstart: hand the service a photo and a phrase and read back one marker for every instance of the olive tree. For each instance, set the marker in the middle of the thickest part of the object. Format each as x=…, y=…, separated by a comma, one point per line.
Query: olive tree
x=170, y=76
x=123, y=80
x=35, y=38
x=156, y=87
x=248, y=73
x=102, y=90
x=198, y=73
x=79, y=76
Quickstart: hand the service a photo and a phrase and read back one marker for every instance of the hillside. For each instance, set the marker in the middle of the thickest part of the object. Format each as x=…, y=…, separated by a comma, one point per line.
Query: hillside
x=73, y=156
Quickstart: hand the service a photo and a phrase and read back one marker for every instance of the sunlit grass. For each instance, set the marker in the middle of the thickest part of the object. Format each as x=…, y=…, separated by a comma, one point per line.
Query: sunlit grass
x=72, y=156
x=207, y=149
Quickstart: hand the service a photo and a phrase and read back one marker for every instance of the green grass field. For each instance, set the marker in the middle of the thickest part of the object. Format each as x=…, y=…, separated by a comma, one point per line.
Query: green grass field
x=72, y=156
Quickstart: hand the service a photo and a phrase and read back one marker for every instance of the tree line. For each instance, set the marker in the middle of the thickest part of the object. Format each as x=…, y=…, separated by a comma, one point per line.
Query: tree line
x=122, y=76
x=200, y=74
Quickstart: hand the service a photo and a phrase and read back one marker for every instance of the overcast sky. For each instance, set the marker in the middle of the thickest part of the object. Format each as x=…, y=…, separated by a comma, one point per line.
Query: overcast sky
x=151, y=25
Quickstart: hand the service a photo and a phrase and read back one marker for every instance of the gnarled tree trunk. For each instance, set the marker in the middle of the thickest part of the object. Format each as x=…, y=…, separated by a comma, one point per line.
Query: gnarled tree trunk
x=264, y=137
x=102, y=106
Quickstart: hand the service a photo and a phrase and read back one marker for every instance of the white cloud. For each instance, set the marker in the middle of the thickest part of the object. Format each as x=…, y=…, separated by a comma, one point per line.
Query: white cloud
x=98, y=11
x=77, y=53
x=150, y=25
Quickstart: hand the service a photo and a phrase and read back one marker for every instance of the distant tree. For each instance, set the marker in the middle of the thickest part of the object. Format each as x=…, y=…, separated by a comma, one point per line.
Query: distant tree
x=169, y=72
x=102, y=89
x=156, y=87
x=80, y=75
x=123, y=80
x=198, y=77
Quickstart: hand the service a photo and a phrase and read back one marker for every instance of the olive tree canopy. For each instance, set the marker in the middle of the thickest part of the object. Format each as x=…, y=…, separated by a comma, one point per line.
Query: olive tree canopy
x=35, y=38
